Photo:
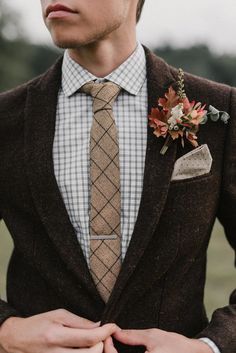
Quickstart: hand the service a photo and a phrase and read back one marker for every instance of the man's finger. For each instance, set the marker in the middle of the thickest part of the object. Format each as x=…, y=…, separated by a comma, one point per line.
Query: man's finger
x=109, y=346
x=73, y=337
x=69, y=319
x=98, y=348
x=132, y=337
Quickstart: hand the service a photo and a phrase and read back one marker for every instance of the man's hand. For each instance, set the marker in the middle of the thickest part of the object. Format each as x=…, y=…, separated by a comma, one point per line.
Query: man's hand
x=57, y=331
x=157, y=341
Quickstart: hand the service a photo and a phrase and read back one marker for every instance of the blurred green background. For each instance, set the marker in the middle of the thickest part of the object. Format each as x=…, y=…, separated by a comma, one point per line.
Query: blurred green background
x=20, y=60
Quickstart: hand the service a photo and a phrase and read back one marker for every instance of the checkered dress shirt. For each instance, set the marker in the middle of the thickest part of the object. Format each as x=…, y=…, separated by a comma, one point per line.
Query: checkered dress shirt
x=72, y=136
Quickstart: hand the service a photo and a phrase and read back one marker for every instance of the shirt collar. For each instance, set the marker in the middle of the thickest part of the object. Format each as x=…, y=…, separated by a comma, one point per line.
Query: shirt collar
x=130, y=75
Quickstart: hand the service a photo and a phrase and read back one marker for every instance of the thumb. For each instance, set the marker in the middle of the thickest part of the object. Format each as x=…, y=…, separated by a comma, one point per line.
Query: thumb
x=132, y=337
x=109, y=346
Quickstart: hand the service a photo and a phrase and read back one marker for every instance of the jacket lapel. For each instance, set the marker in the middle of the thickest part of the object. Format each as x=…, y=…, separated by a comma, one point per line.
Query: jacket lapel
x=40, y=115
x=157, y=176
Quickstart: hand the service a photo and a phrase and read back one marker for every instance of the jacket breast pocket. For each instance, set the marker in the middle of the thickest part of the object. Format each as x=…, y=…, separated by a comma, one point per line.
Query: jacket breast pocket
x=191, y=208
x=197, y=178
x=197, y=162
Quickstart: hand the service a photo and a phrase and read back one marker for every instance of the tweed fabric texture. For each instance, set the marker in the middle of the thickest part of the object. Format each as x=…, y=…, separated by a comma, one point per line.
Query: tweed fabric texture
x=72, y=135
x=105, y=234
x=161, y=283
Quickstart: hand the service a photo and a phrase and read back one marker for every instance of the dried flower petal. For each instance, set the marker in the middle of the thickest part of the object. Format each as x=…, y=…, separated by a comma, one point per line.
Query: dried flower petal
x=175, y=116
x=192, y=138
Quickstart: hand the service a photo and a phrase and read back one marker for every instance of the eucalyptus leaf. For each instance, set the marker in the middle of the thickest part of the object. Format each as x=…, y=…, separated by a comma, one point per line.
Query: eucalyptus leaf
x=213, y=110
x=225, y=117
x=214, y=117
x=214, y=113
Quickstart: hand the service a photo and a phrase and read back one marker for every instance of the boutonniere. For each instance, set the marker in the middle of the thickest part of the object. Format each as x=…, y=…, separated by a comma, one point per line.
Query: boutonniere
x=176, y=117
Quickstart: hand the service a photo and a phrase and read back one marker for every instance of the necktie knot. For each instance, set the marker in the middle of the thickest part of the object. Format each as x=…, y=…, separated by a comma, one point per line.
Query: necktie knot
x=103, y=94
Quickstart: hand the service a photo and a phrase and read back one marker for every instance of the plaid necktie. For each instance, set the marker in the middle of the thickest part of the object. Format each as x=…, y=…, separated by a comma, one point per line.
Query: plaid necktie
x=105, y=233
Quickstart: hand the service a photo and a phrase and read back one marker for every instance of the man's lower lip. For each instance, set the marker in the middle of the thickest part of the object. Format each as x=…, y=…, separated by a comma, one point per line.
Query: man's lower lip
x=59, y=14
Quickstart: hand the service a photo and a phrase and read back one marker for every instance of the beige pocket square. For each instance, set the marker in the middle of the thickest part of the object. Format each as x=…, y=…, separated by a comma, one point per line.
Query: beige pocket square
x=194, y=163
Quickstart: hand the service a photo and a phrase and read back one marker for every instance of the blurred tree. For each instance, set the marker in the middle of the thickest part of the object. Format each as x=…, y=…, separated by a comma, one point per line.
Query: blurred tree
x=199, y=60
x=8, y=22
x=19, y=59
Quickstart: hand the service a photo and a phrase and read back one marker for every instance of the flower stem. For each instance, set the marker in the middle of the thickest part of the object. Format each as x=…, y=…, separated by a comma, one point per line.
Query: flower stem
x=166, y=145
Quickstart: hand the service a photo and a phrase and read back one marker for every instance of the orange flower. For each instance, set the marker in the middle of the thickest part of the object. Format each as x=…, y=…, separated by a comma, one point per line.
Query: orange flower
x=157, y=121
x=157, y=114
x=170, y=101
x=192, y=138
x=175, y=134
x=161, y=129
x=197, y=114
x=175, y=116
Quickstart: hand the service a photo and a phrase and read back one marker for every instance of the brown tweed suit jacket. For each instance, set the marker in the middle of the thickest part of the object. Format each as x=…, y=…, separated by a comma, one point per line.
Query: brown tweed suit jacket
x=161, y=283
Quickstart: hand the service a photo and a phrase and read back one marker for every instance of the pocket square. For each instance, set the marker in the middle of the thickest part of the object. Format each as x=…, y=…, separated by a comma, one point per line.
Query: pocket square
x=194, y=163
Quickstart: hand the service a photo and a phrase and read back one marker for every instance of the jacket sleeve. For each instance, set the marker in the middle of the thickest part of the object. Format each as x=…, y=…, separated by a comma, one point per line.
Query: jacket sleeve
x=5, y=309
x=222, y=328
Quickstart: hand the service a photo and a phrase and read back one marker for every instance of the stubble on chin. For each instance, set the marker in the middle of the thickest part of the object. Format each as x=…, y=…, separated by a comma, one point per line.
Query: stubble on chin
x=71, y=41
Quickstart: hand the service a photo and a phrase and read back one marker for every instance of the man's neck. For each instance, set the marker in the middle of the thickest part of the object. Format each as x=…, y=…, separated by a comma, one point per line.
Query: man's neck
x=103, y=57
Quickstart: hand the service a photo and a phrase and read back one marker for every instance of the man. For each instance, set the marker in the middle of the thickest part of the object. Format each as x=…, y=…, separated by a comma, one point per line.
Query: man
x=128, y=247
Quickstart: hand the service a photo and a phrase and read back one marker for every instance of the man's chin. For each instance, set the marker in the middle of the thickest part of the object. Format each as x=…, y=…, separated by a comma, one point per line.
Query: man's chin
x=65, y=40
x=66, y=44
x=77, y=41
x=71, y=44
